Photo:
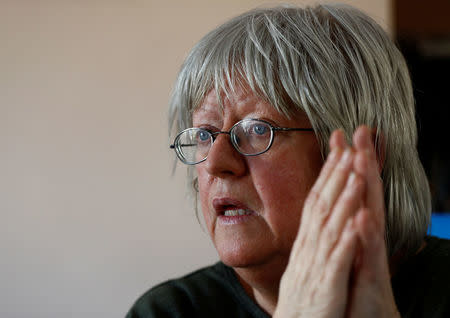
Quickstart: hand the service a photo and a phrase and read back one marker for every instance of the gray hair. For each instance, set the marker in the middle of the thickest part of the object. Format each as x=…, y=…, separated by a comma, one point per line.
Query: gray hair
x=339, y=67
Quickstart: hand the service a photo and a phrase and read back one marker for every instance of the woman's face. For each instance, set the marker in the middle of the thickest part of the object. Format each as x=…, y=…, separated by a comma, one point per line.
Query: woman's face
x=269, y=189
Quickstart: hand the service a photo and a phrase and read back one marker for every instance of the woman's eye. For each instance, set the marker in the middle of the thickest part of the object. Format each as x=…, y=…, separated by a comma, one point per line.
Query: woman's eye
x=259, y=129
x=203, y=135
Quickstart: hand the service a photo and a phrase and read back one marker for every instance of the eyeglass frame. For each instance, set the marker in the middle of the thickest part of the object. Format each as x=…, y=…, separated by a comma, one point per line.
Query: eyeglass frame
x=214, y=135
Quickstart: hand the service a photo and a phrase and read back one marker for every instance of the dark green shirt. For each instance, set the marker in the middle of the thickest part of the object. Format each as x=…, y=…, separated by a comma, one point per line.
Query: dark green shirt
x=421, y=289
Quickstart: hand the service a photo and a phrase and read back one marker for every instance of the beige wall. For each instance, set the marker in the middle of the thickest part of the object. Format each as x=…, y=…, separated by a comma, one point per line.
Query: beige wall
x=89, y=216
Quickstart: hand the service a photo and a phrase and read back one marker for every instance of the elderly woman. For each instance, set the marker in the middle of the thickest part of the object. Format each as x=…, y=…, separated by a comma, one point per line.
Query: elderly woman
x=298, y=128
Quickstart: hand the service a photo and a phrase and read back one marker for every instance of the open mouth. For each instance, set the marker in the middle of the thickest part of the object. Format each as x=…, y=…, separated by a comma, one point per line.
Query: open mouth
x=237, y=212
x=230, y=207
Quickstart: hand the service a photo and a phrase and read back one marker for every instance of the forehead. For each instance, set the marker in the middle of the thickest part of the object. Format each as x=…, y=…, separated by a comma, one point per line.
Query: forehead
x=235, y=101
x=239, y=104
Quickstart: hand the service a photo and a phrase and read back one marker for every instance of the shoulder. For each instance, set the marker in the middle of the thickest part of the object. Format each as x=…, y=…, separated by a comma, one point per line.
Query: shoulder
x=423, y=282
x=435, y=257
x=203, y=293
x=436, y=260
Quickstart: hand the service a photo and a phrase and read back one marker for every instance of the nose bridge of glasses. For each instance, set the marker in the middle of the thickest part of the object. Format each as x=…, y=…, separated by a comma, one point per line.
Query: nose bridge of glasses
x=217, y=133
x=229, y=133
x=222, y=150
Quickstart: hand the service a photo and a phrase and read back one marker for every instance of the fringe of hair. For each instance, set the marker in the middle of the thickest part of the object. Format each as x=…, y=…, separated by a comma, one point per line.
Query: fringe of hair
x=338, y=66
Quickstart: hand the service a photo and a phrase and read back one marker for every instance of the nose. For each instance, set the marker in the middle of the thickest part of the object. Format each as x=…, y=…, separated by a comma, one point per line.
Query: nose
x=223, y=159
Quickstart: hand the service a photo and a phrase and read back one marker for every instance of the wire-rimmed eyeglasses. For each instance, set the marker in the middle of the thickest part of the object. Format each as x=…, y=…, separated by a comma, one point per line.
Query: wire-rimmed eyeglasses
x=250, y=137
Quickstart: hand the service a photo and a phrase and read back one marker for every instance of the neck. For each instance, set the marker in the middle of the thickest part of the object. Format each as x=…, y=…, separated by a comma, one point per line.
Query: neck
x=261, y=282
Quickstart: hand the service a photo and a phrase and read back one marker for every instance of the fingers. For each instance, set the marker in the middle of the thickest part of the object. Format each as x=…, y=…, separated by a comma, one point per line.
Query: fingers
x=346, y=206
x=337, y=146
x=367, y=165
x=369, y=221
x=337, y=140
x=373, y=261
x=343, y=255
x=348, y=181
x=322, y=198
x=339, y=227
x=371, y=292
x=369, y=236
x=335, y=183
x=334, y=198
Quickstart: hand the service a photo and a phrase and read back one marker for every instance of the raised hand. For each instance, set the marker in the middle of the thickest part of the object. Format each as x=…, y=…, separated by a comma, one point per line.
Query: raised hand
x=338, y=265
x=316, y=281
x=371, y=293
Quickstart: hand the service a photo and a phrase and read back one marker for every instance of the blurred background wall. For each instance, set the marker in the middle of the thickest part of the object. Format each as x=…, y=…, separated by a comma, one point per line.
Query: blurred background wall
x=422, y=30
x=90, y=216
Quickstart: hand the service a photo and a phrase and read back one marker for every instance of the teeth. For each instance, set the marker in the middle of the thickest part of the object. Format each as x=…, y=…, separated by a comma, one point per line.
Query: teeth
x=237, y=212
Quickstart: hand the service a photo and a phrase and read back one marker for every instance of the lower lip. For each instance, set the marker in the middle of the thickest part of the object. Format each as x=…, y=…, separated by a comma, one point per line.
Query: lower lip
x=224, y=219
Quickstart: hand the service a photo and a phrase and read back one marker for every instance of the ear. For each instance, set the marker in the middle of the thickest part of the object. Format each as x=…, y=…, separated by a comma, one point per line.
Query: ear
x=380, y=147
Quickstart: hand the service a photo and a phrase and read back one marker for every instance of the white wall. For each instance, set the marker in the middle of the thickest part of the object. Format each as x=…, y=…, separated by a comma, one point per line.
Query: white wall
x=89, y=215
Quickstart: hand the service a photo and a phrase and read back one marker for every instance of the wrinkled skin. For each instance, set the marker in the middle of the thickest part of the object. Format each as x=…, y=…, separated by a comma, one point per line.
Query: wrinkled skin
x=317, y=227
x=341, y=240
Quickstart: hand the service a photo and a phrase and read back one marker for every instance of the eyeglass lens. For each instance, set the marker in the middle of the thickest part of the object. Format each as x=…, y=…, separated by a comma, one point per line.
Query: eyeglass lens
x=249, y=137
x=192, y=145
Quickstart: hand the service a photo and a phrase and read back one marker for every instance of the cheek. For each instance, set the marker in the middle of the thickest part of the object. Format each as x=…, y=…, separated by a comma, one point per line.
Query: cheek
x=203, y=194
x=283, y=190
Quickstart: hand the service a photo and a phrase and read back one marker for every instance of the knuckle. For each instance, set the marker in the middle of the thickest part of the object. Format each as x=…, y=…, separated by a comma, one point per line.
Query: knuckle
x=321, y=206
x=330, y=234
x=312, y=198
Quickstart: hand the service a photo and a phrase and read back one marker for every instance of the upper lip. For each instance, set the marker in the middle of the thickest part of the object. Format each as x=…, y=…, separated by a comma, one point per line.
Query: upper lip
x=220, y=205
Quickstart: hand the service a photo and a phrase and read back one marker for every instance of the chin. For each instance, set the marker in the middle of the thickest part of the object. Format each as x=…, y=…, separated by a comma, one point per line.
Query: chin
x=238, y=261
x=234, y=254
x=249, y=257
x=256, y=270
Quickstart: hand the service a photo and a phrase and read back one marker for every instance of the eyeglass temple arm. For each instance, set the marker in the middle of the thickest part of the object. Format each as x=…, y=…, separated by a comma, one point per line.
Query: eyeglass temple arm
x=172, y=146
x=292, y=129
